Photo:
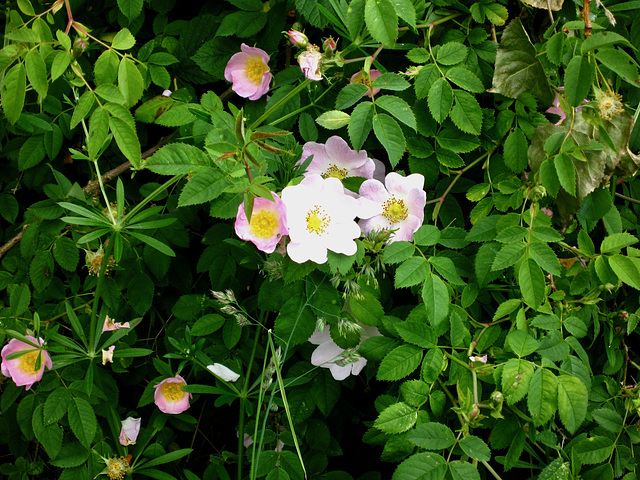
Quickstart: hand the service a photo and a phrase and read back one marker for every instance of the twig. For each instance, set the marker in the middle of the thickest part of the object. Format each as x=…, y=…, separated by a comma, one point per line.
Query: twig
x=586, y=16
x=13, y=242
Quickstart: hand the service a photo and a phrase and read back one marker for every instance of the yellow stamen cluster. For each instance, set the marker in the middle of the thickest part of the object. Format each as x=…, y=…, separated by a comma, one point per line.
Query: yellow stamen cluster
x=264, y=223
x=394, y=210
x=117, y=468
x=254, y=70
x=610, y=104
x=362, y=79
x=114, y=209
x=172, y=391
x=317, y=220
x=28, y=362
x=94, y=262
x=335, y=171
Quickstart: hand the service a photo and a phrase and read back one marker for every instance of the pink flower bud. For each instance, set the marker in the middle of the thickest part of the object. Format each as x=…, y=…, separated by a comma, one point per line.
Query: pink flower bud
x=297, y=38
x=329, y=45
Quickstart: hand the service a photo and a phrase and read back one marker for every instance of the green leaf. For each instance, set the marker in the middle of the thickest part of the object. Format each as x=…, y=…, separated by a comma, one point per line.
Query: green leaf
x=425, y=79
x=153, y=243
x=166, y=458
x=601, y=39
x=465, y=79
x=447, y=269
x=406, y=11
x=627, y=269
x=350, y=95
x=549, y=177
x=411, y=272
x=382, y=21
x=608, y=419
x=50, y=436
x=545, y=257
x=436, y=299
x=517, y=68
x=543, y=394
x=207, y=324
x=556, y=470
x=41, y=270
x=532, y=283
x=295, y=322
x=427, y=235
x=126, y=139
x=110, y=93
x=422, y=466
x=105, y=69
x=449, y=159
x=333, y=119
x=19, y=299
x=463, y=471
x=130, y=9
x=516, y=377
x=515, y=151
x=398, y=108
x=9, y=208
x=175, y=159
x=397, y=252
x=451, y=53
x=418, y=333
x=466, y=113
x=521, y=342
x=83, y=107
x=391, y=81
x=14, y=87
x=140, y=290
x=72, y=454
x=26, y=8
x=130, y=81
x=593, y=450
x=451, y=138
x=56, y=405
x=36, y=72
x=31, y=153
x=505, y=308
x=509, y=254
x=616, y=242
x=98, y=131
x=360, y=124
x=399, y=363
x=82, y=420
x=432, y=436
x=577, y=80
x=204, y=186
x=573, y=399
x=475, y=448
x=396, y=418
x=123, y=39
x=390, y=135
x=440, y=99
x=619, y=62
x=415, y=392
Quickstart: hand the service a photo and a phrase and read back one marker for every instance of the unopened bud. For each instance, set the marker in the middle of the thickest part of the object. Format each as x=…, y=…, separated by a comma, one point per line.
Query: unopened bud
x=79, y=46
x=329, y=45
x=297, y=38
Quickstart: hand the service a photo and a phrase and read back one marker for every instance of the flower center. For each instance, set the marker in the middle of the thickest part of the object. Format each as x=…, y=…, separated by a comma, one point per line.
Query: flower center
x=173, y=391
x=254, y=69
x=394, y=210
x=317, y=220
x=335, y=171
x=264, y=223
x=117, y=468
x=28, y=362
x=361, y=79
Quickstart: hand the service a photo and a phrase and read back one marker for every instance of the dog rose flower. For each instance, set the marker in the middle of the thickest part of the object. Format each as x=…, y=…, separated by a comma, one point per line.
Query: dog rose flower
x=336, y=159
x=397, y=205
x=169, y=396
x=249, y=72
x=321, y=217
x=268, y=223
x=310, y=62
x=22, y=370
x=129, y=431
x=360, y=77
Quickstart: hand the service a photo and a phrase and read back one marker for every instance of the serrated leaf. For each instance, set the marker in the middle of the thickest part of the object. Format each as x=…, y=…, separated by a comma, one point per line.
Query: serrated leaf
x=126, y=139
x=83, y=107
x=617, y=241
x=396, y=418
x=608, y=419
x=425, y=79
x=390, y=135
x=421, y=466
x=516, y=377
x=398, y=108
x=397, y=252
x=123, y=39
x=465, y=79
x=542, y=397
x=382, y=21
x=204, y=186
x=175, y=159
x=41, y=270
x=521, y=342
x=577, y=80
x=36, y=72
x=432, y=436
x=411, y=272
x=436, y=299
x=447, y=269
x=440, y=99
x=98, y=131
x=466, y=113
x=593, y=450
x=13, y=91
x=556, y=470
x=619, y=62
x=453, y=139
x=476, y=448
x=452, y=53
x=50, y=436
x=532, y=283
x=627, y=269
x=460, y=470
x=350, y=95
x=509, y=254
x=391, y=81
x=130, y=9
x=399, y=363
x=417, y=333
x=573, y=399
x=31, y=153
x=545, y=257
x=360, y=124
x=427, y=235
x=82, y=420
x=515, y=151
x=130, y=81
x=333, y=119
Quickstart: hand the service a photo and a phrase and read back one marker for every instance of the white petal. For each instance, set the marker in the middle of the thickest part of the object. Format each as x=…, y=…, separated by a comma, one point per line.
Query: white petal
x=223, y=372
x=325, y=353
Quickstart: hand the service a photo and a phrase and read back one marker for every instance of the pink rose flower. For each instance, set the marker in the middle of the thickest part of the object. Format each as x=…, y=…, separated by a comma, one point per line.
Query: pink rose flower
x=22, y=370
x=129, y=431
x=248, y=70
x=398, y=205
x=336, y=159
x=360, y=77
x=169, y=396
x=310, y=62
x=268, y=223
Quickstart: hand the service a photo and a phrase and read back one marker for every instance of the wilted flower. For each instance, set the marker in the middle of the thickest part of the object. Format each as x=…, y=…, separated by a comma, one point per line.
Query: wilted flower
x=481, y=359
x=110, y=324
x=367, y=80
x=116, y=468
x=248, y=70
x=339, y=361
x=223, y=372
x=321, y=217
x=169, y=396
x=94, y=261
x=297, y=38
x=268, y=223
x=336, y=159
x=398, y=205
x=107, y=355
x=22, y=370
x=310, y=62
x=609, y=104
x=129, y=431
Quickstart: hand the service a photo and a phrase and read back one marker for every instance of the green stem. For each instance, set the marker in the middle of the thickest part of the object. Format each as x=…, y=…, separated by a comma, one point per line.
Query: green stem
x=243, y=400
x=280, y=102
x=96, y=297
x=153, y=194
x=302, y=109
x=491, y=470
x=628, y=199
x=458, y=361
